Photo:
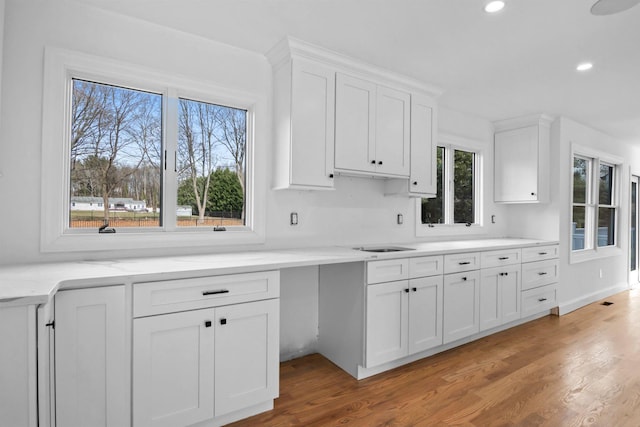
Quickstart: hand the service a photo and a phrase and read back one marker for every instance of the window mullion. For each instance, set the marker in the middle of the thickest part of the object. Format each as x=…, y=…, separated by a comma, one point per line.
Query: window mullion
x=449, y=189
x=170, y=143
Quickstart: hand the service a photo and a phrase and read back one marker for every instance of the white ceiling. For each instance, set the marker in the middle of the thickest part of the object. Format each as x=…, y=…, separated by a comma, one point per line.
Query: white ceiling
x=517, y=62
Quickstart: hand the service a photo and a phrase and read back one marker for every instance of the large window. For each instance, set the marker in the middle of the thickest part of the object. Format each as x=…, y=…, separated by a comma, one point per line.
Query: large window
x=163, y=161
x=594, y=203
x=457, y=180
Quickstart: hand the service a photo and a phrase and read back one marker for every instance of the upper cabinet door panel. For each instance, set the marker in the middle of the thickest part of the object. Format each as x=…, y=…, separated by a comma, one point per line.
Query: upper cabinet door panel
x=392, y=152
x=312, y=124
x=422, y=177
x=355, y=125
x=516, y=159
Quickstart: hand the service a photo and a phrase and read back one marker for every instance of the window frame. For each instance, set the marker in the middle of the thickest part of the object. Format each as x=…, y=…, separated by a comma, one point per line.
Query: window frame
x=592, y=204
x=61, y=66
x=451, y=142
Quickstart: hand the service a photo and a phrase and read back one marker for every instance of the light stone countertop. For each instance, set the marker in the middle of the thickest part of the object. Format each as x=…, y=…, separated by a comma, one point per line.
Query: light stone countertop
x=37, y=283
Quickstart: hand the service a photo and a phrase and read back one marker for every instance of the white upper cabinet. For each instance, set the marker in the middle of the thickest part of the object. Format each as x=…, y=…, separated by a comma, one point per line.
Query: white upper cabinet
x=372, y=128
x=522, y=160
x=304, y=127
x=337, y=115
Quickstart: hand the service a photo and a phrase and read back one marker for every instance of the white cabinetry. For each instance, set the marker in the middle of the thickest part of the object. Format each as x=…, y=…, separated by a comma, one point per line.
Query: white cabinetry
x=304, y=124
x=500, y=286
x=372, y=128
x=91, y=358
x=214, y=358
x=540, y=275
x=461, y=305
x=521, y=161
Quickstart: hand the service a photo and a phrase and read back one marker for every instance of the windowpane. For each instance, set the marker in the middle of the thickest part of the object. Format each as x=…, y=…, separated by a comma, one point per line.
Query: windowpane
x=606, y=226
x=605, y=185
x=115, y=174
x=211, y=164
x=463, y=203
x=578, y=228
x=433, y=209
x=580, y=171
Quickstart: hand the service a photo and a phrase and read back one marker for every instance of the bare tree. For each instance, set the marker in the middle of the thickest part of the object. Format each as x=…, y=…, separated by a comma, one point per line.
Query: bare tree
x=233, y=136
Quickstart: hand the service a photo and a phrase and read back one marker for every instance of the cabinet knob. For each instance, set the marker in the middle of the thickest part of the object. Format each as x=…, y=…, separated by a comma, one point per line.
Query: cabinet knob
x=373, y=162
x=464, y=279
x=331, y=175
x=533, y=194
x=380, y=162
x=223, y=321
x=207, y=324
x=415, y=182
x=414, y=289
x=407, y=290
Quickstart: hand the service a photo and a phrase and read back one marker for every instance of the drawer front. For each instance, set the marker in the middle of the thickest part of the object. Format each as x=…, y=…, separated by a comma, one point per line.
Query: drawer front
x=536, y=274
x=539, y=253
x=455, y=263
x=387, y=270
x=170, y=296
x=425, y=266
x=537, y=300
x=492, y=259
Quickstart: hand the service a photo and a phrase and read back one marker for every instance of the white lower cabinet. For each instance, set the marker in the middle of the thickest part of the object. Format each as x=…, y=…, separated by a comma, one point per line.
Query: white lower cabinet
x=191, y=366
x=91, y=358
x=499, y=296
x=461, y=305
x=425, y=313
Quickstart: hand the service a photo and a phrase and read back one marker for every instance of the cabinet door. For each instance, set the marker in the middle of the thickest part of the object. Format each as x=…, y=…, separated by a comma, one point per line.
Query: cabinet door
x=516, y=165
x=91, y=365
x=246, y=355
x=461, y=305
x=510, y=297
x=387, y=322
x=425, y=313
x=422, y=179
x=355, y=124
x=490, y=289
x=173, y=367
x=312, y=124
x=392, y=137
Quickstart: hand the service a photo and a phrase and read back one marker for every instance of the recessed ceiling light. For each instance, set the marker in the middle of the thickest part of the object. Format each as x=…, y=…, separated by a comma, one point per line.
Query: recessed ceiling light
x=494, y=6
x=584, y=66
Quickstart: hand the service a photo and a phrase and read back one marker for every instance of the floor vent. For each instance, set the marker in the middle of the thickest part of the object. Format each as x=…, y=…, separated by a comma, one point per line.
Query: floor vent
x=607, y=303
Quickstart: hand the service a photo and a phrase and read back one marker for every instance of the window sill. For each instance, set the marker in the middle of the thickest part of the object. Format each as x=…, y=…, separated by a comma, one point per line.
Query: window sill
x=576, y=257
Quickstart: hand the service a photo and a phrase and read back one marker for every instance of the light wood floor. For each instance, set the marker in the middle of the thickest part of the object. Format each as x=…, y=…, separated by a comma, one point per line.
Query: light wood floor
x=581, y=369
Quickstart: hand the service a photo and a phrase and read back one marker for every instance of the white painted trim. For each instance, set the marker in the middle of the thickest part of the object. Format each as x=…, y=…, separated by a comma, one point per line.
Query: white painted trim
x=60, y=65
x=583, y=300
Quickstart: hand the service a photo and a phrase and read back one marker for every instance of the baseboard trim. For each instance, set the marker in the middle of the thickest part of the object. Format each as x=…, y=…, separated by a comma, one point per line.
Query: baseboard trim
x=574, y=304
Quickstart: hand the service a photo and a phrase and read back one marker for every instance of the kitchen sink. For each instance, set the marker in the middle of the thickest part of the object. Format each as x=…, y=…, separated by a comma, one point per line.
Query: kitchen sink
x=383, y=249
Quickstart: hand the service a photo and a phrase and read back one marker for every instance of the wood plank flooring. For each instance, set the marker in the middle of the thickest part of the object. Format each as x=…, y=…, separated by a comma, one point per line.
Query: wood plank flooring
x=581, y=369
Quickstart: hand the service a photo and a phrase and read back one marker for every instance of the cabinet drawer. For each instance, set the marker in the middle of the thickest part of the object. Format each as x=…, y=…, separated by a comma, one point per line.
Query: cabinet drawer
x=502, y=257
x=425, y=266
x=179, y=295
x=536, y=274
x=539, y=253
x=537, y=300
x=455, y=263
x=387, y=270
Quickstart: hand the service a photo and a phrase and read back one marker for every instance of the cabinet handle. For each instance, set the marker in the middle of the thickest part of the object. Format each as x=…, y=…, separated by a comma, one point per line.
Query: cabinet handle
x=502, y=258
x=218, y=291
x=542, y=253
x=207, y=324
x=464, y=263
x=464, y=279
x=542, y=299
x=407, y=290
x=380, y=162
x=331, y=175
x=542, y=273
x=223, y=321
x=373, y=162
x=414, y=289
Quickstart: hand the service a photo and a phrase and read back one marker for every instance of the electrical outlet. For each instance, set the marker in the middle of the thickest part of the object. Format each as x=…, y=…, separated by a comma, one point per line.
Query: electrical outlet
x=400, y=219
x=293, y=218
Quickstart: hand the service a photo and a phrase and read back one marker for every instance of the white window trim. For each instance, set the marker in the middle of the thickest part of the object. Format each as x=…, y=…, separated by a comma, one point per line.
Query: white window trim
x=476, y=229
x=595, y=252
x=60, y=66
